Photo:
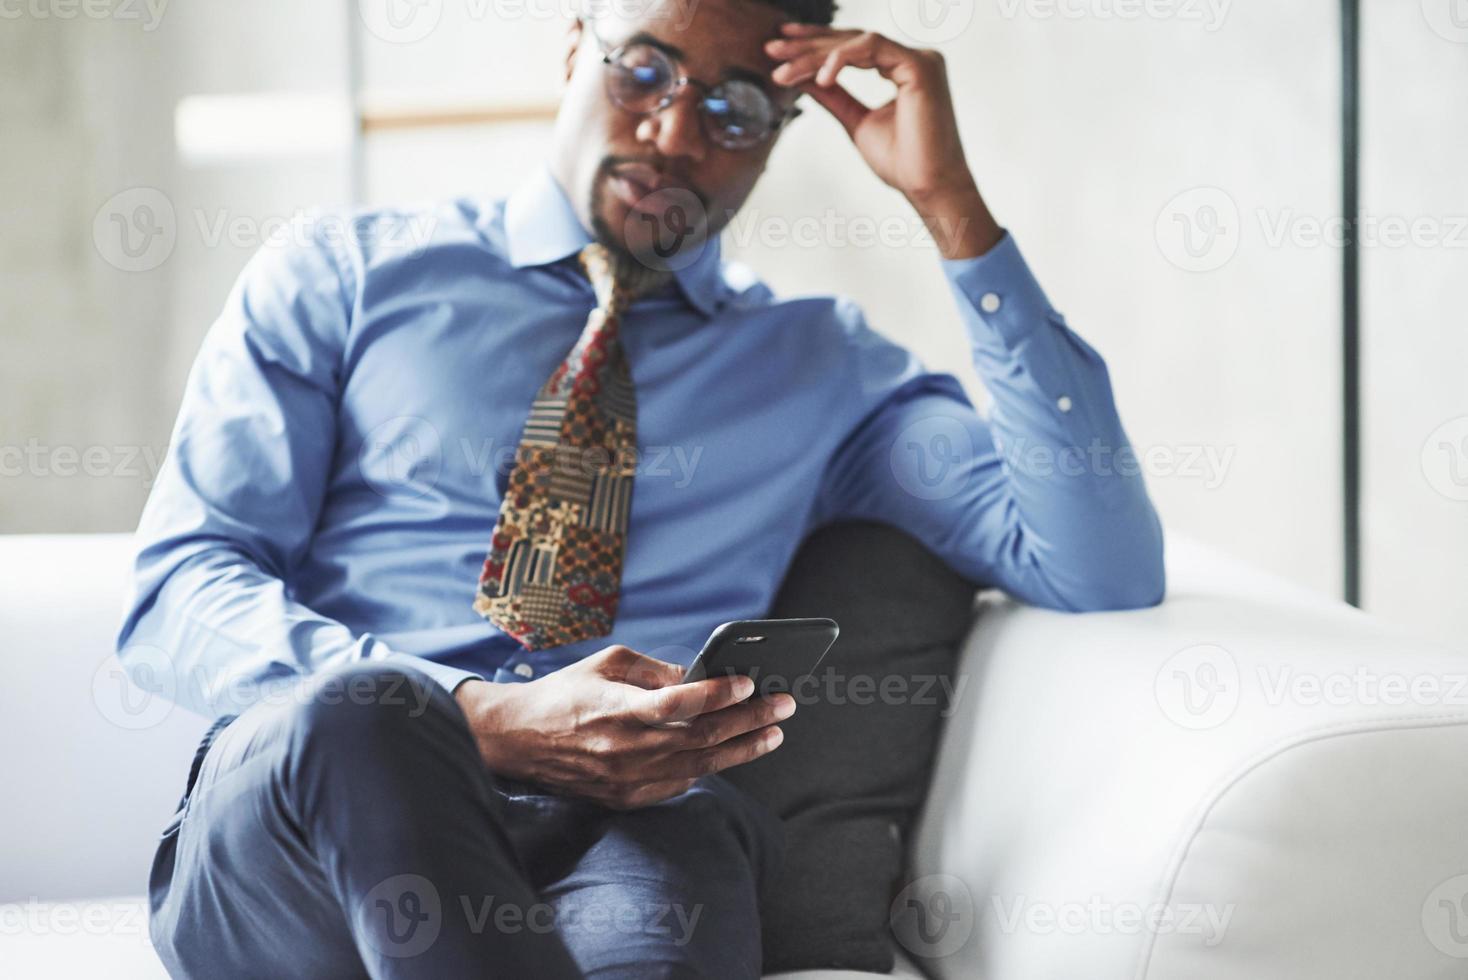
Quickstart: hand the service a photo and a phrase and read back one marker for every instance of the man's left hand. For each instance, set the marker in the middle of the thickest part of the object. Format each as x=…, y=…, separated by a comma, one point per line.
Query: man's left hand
x=912, y=142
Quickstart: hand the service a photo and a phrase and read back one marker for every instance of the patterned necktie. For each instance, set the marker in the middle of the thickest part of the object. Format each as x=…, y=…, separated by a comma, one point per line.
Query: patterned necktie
x=554, y=569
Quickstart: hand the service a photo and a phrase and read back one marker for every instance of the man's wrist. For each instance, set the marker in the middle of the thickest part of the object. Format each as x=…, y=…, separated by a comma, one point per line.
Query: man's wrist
x=958, y=220
x=485, y=705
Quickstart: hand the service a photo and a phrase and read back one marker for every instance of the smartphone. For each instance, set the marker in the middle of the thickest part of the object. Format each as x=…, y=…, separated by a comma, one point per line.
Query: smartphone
x=774, y=653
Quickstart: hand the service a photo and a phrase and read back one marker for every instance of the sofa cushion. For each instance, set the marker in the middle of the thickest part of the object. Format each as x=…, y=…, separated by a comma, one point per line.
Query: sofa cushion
x=854, y=767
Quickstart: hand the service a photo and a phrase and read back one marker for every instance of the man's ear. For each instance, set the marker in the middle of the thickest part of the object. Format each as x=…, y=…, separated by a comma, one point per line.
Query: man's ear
x=574, y=33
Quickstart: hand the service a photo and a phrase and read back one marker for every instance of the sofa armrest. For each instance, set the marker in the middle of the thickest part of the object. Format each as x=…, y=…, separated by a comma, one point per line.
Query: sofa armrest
x=94, y=767
x=1249, y=780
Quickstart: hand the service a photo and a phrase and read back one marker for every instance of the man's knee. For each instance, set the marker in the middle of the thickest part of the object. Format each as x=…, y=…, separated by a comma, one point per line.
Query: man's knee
x=366, y=708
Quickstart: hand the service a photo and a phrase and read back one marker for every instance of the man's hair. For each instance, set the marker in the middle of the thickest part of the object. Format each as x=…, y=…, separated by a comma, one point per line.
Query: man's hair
x=806, y=11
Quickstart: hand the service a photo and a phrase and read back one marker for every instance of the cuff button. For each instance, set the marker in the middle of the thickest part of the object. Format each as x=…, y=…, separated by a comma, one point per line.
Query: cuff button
x=1063, y=403
x=990, y=302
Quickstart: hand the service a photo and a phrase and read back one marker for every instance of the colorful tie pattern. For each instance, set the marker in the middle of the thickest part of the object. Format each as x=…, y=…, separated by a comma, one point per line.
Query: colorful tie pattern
x=554, y=570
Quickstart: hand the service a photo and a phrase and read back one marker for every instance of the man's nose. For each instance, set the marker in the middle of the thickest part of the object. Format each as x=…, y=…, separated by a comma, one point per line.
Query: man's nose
x=675, y=129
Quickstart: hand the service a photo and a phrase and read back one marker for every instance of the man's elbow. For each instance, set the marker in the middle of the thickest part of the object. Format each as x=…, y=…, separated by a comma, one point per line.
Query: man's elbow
x=1137, y=581
x=1124, y=592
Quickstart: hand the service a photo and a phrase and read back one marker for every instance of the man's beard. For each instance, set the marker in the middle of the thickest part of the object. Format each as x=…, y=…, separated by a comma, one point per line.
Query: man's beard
x=644, y=260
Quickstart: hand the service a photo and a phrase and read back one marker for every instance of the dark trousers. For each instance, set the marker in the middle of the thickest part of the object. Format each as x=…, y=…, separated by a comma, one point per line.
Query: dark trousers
x=351, y=829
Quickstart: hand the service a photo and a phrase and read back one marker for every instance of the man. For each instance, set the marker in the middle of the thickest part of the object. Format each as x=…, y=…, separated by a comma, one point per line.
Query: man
x=401, y=785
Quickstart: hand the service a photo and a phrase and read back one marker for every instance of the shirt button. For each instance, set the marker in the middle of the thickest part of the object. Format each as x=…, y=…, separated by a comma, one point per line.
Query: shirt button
x=524, y=670
x=990, y=302
x=1063, y=403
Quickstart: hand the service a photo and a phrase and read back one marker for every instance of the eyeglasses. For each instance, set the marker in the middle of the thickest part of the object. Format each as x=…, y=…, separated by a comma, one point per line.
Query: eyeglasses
x=737, y=113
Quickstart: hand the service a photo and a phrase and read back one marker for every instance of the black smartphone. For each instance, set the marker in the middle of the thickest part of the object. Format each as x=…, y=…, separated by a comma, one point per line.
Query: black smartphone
x=774, y=653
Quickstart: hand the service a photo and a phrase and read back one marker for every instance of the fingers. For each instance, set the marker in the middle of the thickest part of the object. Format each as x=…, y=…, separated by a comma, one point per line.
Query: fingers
x=822, y=55
x=848, y=110
x=620, y=663
x=636, y=797
x=714, y=729
x=735, y=752
x=681, y=702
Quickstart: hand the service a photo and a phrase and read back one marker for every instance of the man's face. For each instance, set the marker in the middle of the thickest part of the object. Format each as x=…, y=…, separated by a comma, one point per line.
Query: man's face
x=631, y=177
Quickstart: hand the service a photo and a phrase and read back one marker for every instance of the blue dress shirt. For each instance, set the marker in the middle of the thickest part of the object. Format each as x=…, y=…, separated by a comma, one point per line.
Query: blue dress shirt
x=348, y=428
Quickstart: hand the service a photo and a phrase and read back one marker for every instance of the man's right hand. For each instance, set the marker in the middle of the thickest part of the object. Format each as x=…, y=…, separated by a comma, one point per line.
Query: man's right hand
x=621, y=728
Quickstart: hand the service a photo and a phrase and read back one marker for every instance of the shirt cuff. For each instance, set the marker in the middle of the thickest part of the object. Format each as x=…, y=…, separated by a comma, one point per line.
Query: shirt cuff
x=448, y=677
x=1006, y=300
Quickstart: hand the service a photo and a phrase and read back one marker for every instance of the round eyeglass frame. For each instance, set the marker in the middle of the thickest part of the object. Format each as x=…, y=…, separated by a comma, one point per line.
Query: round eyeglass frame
x=611, y=57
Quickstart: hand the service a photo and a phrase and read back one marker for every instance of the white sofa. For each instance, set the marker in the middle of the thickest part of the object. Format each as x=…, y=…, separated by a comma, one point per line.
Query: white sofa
x=1249, y=781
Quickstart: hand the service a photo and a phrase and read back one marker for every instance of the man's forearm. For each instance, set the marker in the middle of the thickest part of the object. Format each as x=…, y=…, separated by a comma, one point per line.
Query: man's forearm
x=958, y=219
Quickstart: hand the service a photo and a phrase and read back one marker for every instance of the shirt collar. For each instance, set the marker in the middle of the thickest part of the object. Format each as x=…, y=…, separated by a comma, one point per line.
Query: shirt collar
x=541, y=227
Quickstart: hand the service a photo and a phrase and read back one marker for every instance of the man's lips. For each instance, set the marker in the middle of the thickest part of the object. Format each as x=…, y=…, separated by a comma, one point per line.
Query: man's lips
x=634, y=183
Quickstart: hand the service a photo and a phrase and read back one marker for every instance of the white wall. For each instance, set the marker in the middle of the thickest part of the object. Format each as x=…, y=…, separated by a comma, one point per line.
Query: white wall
x=98, y=340
x=78, y=332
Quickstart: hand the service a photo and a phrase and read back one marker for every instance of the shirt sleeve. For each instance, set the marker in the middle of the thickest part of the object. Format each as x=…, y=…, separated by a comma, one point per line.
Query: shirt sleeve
x=211, y=623
x=1045, y=498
